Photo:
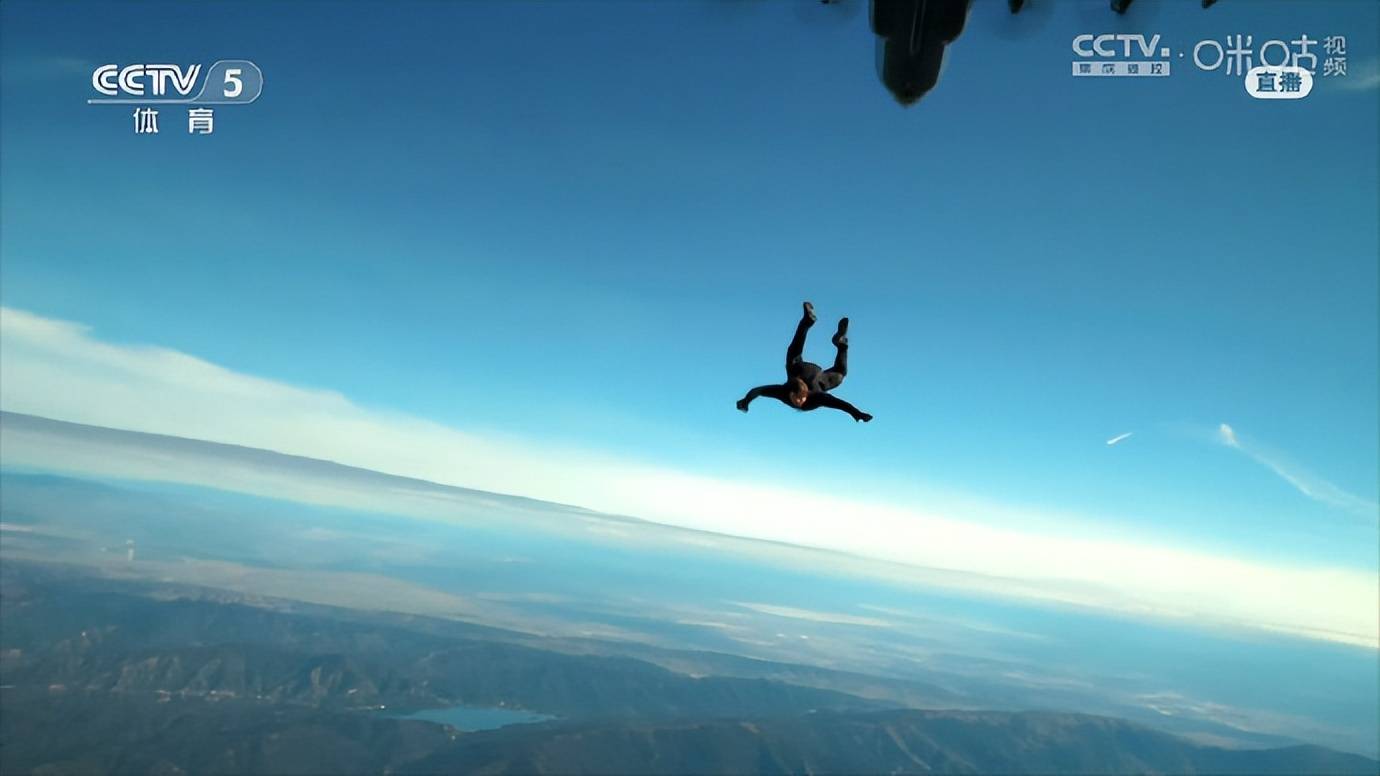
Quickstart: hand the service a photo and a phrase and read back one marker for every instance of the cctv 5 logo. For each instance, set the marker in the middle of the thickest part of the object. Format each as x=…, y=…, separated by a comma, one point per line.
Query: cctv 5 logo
x=111, y=80
x=1107, y=46
x=226, y=81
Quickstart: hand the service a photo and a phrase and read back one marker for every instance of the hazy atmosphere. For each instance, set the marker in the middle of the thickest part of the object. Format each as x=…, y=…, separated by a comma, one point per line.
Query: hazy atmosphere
x=443, y=333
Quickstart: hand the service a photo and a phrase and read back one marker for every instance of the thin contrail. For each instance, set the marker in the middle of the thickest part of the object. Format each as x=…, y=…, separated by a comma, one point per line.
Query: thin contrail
x=1119, y=437
x=1309, y=485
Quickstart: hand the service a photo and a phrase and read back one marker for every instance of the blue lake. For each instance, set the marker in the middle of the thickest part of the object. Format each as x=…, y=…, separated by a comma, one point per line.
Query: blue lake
x=474, y=718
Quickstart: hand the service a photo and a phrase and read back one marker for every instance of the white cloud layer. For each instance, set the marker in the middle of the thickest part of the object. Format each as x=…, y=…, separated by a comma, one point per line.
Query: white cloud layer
x=56, y=369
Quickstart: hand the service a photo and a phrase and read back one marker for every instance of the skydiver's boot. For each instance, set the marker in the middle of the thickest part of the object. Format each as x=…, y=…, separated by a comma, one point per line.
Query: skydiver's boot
x=841, y=336
x=809, y=312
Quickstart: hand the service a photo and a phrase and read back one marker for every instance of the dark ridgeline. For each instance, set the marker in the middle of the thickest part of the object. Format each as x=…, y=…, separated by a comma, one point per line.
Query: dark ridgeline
x=894, y=741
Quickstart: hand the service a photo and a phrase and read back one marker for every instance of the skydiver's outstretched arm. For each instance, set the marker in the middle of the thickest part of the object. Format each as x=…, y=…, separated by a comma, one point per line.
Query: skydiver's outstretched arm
x=778, y=392
x=835, y=403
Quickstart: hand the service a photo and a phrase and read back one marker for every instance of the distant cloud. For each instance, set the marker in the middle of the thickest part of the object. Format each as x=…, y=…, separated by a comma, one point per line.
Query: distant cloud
x=1309, y=485
x=1120, y=438
x=57, y=369
x=835, y=618
x=931, y=622
x=1228, y=437
x=1362, y=77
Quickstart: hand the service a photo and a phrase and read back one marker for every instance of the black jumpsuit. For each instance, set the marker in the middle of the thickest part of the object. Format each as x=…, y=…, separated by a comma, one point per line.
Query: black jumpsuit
x=819, y=381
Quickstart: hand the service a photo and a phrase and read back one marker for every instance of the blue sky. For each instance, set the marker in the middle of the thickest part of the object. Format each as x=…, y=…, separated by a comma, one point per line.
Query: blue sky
x=590, y=226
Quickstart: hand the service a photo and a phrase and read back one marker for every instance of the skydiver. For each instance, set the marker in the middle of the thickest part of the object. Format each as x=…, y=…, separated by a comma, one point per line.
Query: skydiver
x=807, y=385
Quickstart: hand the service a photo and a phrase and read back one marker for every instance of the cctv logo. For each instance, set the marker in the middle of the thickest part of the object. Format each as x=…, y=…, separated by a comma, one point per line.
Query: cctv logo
x=1104, y=46
x=112, y=80
x=1112, y=54
x=226, y=81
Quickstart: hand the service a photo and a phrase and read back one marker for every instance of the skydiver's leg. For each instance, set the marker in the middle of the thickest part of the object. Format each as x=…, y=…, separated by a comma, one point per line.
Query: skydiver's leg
x=797, y=346
x=835, y=374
